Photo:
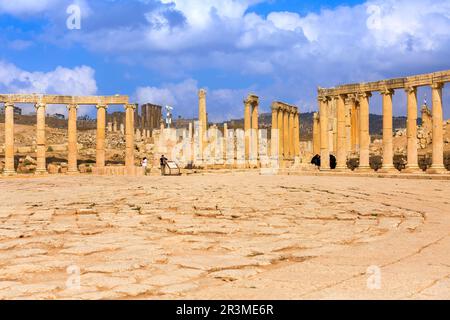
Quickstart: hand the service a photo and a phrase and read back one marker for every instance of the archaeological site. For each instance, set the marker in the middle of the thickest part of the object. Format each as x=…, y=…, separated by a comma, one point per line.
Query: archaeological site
x=225, y=151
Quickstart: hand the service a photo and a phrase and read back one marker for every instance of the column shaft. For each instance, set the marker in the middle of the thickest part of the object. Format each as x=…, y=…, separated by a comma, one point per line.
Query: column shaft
x=101, y=135
x=364, y=135
x=280, y=134
x=129, y=139
x=274, y=139
x=286, y=133
x=316, y=134
x=438, y=138
x=324, y=139
x=255, y=132
x=296, y=135
x=9, y=140
x=388, y=151
x=341, y=152
x=41, y=147
x=411, y=130
x=247, y=128
x=291, y=135
x=72, y=140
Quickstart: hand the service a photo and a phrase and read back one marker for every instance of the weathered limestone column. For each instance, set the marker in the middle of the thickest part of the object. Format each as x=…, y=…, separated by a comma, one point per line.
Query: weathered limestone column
x=341, y=152
x=348, y=125
x=316, y=134
x=41, y=147
x=115, y=125
x=110, y=127
x=411, y=130
x=101, y=135
x=324, y=149
x=364, y=139
x=255, y=131
x=286, y=132
x=9, y=169
x=202, y=113
x=296, y=134
x=355, y=126
x=247, y=128
x=438, y=139
x=225, y=143
x=280, y=133
x=72, y=147
x=291, y=134
x=388, y=152
x=274, y=149
x=129, y=138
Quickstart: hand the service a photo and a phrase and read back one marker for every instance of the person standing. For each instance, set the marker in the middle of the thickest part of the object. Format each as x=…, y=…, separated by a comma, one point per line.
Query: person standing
x=144, y=165
x=163, y=163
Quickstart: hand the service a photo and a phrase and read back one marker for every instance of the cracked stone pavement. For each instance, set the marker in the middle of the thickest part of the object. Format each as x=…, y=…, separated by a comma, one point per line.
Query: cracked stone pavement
x=223, y=236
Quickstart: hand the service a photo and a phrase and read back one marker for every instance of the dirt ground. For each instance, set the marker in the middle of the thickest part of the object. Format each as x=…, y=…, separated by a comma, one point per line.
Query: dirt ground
x=224, y=236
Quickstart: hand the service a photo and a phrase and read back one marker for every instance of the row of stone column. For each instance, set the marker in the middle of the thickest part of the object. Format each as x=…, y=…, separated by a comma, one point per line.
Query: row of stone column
x=360, y=137
x=41, y=143
x=285, y=132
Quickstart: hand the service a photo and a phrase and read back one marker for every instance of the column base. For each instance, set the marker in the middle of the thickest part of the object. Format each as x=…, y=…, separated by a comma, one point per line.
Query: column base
x=388, y=169
x=364, y=169
x=73, y=173
x=41, y=172
x=9, y=173
x=437, y=170
x=342, y=169
x=412, y=169
x=325, y=169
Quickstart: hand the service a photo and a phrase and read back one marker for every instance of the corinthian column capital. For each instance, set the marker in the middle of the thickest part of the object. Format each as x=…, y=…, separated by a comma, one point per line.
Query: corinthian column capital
x=102, y=106
x=437, y=85
x=130, y=106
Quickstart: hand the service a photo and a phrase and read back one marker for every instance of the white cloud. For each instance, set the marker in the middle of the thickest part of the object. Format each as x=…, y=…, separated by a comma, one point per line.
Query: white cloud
x=76, y=81
x=25, y=7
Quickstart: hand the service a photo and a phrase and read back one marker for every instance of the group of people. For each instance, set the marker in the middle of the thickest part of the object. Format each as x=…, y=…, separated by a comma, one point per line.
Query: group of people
x=162, y=161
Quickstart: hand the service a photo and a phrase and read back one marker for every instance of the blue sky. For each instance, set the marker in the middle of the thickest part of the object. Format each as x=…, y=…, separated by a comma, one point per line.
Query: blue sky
x=163, y=51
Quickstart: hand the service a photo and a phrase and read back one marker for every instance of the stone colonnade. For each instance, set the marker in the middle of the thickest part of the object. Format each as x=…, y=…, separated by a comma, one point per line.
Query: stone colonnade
x=353, y=102
x=285, y=142
x=73, y=103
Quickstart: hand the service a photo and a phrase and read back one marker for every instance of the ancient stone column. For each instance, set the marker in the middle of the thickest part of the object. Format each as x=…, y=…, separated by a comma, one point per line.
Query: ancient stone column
x=316, y=134
x=202, y=113
x=254, y=131
x=274, y=133
x=9, y=169
x=291, y=134
x=286, y=132
x=388, y=151
x=411, y=130
x=296, y=134
x=341, y=152
x=122, y=128
x=115, y=125
x=72, y=147
x=101, y=135
x=280, y=133
x=324, y=150
x=364, y=139
x=225, y=142
x=129, y=138
x=247, y=128
x=438, y=140
x=348, y=125
x=41, y=147
x=110, y=127
x=355, y=126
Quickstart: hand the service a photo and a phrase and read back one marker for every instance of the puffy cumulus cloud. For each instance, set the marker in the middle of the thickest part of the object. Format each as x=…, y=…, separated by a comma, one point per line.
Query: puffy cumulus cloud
x=76, y=81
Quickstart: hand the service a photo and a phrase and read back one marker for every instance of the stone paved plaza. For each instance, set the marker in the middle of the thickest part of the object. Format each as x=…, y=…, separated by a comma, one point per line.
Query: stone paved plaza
x=227, y=236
